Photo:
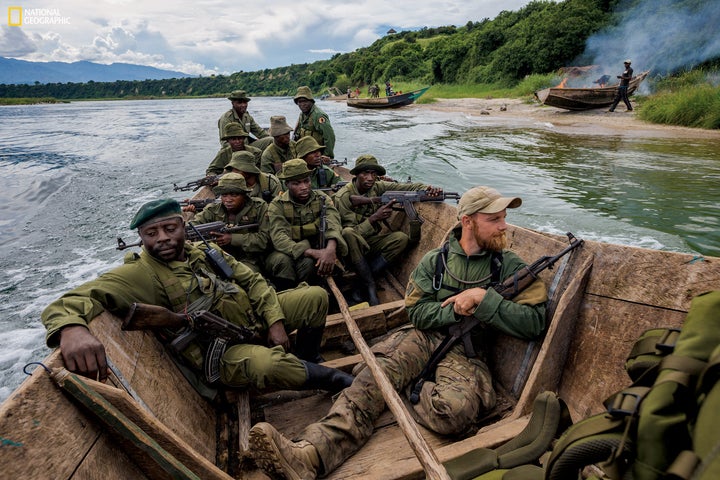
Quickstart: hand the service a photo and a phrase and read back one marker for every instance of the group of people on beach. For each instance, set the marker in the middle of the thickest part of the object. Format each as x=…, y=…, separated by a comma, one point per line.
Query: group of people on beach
x=294, y=223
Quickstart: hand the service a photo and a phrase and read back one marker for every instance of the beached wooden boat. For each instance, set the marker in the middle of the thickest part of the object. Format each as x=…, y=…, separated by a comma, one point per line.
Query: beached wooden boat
x=393, y=101
x=335, y=95
x=584, y=98
x=603, y=297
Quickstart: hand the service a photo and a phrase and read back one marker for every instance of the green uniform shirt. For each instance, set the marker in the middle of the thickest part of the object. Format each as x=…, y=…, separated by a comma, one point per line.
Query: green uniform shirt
x=141, y=281
x=274, y=155
x=522, y=317
x=223, y=157
x=247, y=244
x=316, y=124
x=247, y=121
x=294, y=226
x=357, y=217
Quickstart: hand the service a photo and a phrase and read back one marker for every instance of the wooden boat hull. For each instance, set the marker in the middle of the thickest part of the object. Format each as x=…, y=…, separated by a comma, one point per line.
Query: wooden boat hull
x=604, y=296
x=584, y=98
x=393, y=101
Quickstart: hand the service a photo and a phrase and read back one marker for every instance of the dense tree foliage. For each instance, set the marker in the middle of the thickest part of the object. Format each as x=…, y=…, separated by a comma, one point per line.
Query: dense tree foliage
x=539, y=38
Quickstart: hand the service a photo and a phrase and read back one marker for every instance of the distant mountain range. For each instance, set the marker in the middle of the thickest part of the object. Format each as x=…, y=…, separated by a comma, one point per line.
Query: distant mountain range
x=23, y=72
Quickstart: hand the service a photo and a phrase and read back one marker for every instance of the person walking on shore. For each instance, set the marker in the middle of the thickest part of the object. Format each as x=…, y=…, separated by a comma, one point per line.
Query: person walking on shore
x=622, y=90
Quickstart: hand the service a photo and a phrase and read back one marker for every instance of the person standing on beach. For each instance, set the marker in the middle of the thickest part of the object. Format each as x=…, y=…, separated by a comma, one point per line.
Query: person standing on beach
x=622, y=90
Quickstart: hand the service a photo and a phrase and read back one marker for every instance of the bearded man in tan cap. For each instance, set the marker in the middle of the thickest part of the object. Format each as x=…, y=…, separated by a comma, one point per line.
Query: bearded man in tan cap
x=462, y=391
x=239, y=100
x=281, y=149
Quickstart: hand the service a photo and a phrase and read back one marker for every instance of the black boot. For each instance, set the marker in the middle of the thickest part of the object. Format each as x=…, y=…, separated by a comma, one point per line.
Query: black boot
x=363, y=270
x=325, y=378
x=307, y=344
x=378, y=264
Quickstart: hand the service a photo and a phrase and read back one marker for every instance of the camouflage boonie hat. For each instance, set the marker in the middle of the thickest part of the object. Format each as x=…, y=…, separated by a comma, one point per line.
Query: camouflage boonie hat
x=156, y=211
x=303, y=92
x=485, y=200
x=367, y=162
x=238, y=95
x=307, y=145
x=294, y=169
x=243, y=161
x=231, y=183
x=233, y=130
x=278, y=126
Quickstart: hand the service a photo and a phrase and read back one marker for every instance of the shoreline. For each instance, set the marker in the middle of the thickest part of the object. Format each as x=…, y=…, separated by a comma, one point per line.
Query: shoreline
x=519, y=112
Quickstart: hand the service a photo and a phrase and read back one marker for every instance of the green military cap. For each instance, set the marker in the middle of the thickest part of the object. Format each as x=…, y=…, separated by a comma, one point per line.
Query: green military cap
x=233, y=129
x=156, y=211
x=238, y=95
x=231, y=183
x=307, y=145
x=303, y=92
x=278, y=126
x=367, y=162
x=485, y=200
x=294, y=169
x=243, y=161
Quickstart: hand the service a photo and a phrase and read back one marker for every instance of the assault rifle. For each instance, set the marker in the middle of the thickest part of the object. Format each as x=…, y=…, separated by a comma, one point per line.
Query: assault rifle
x=333, y=188
x=195, y=234
x=404, y=200
x=210, y=181
x=199, y=204
x=322, y=228
x=200, y=325
x=334, y=162
x=509, y=289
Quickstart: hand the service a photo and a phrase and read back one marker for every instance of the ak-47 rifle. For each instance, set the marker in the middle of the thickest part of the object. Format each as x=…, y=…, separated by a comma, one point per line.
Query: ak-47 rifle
x=322, y=227
x=195, y=234
x=404, y=200
x=334, y=162
x=210, y=181
x=333, y=188
x=200, y=325
x=509, y=289
x=199, y=204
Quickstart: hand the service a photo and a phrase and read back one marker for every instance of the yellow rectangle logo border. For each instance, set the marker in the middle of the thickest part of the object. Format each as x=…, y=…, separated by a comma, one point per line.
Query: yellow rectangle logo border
x=19, y=16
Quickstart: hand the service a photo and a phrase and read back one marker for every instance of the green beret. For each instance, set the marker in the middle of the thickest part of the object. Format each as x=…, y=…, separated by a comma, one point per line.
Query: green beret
x=156, y=211
x=367, y=162
x=231, y=183
x=294, y=169
x=307, y=145
x=233, y=129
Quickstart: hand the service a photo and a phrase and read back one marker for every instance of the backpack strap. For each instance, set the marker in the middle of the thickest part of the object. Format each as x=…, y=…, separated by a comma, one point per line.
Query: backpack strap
x=496, y=262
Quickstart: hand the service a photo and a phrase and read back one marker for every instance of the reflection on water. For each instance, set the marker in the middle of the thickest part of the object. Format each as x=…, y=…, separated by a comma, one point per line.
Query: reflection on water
x=74, y=174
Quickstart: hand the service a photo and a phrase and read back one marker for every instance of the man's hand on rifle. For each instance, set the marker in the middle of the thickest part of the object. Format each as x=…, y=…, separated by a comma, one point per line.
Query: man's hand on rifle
x=221, y=239
x=466, y=302
x=83, y=353
x=278, y=336
x=325, y=159
x=382, y=213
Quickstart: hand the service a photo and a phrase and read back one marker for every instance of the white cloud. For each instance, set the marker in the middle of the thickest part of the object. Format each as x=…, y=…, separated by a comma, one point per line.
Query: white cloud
x=219, y=36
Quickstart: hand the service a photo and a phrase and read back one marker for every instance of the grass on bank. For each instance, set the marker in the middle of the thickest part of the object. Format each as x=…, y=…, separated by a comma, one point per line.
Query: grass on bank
x=30, y=101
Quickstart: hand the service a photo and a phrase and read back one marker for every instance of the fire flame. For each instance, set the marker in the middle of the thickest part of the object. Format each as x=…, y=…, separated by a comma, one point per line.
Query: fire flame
x=562, y=84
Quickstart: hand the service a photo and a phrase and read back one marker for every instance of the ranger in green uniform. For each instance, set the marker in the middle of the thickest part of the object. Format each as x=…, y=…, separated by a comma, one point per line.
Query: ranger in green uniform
x=238, y=208
x=265, y=186
x=295, y=229
x=322, y=176
x=239, y=114
x=313, y=122
x=281, y=149
x=236, y=138
x=177, y=275
x=462, y=389
x=371, y=243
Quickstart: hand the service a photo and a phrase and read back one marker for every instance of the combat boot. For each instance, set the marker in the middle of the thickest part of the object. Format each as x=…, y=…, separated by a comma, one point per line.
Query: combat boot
x=278, y=457
x=325, y=378
x=307, y=344
x=378, y=264
x=363, y=270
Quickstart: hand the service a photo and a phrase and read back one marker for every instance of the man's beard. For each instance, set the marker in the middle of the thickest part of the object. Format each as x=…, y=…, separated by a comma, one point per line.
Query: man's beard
x=495, y=244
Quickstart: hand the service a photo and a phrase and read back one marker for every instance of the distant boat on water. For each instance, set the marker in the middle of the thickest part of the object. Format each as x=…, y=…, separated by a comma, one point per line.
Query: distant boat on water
x=584, y=98
x=393, y=101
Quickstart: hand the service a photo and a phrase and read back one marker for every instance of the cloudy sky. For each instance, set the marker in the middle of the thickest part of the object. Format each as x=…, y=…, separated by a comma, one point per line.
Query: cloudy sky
x=219, y=36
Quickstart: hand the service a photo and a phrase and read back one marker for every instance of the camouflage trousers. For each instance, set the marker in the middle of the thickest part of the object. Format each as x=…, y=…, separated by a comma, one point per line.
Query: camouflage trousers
x=388, y=245
x=461, y=391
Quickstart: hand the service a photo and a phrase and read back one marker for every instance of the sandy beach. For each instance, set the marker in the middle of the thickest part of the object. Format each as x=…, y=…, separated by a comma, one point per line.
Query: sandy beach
x=588, y=122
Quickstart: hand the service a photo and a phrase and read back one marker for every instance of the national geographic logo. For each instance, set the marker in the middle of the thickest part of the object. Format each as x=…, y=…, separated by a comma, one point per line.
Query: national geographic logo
x=18, y=16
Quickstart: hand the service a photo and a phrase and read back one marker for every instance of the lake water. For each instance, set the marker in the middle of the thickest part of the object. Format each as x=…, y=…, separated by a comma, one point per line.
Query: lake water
x=74, y=175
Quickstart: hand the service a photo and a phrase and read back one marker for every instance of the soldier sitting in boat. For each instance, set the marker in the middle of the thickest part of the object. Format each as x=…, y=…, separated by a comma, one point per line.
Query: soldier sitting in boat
x=238, y=209
x=281, y=150
x=264, y=186
x=237, y=142
x=239, y=114
x=449, y=284
x=321, y=175
x=304, y=228
x=371, y=247
x=179, y=276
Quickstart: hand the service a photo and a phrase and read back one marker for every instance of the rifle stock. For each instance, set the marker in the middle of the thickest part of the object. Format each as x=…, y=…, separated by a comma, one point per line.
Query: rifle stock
x=143, y=316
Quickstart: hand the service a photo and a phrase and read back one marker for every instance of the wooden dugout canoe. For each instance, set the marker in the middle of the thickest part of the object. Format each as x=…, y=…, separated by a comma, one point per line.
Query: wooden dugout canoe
x=603, y=297
x=392, y=101
x=584, y=98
